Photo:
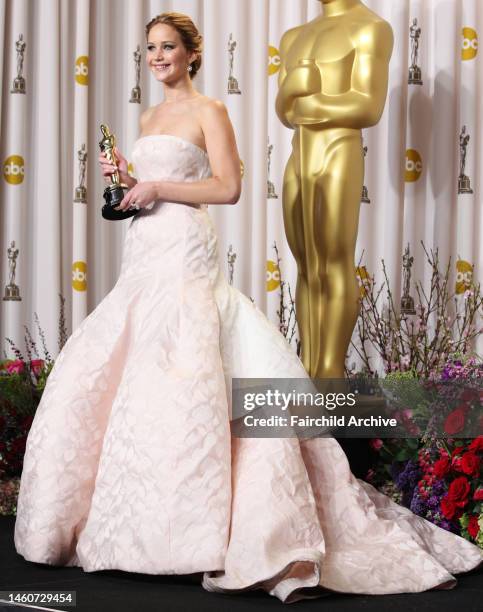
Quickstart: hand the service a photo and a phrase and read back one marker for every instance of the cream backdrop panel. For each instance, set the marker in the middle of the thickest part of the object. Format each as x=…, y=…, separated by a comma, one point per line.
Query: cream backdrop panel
x=80, y=69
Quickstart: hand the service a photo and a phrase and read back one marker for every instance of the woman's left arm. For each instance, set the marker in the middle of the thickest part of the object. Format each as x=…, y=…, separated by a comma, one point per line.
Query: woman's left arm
x=223, y=187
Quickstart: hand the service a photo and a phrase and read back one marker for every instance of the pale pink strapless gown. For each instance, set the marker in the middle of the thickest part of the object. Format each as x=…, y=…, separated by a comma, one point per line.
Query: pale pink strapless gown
x=129, y=463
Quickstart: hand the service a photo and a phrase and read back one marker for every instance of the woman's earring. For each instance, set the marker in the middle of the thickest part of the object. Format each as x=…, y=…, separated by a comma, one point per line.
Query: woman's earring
x=190, y=68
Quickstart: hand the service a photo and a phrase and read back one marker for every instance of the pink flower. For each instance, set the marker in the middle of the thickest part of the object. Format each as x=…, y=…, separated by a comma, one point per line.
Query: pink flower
x=15, y=367
x=37, y=366
x=375, y=444
x=370, y=475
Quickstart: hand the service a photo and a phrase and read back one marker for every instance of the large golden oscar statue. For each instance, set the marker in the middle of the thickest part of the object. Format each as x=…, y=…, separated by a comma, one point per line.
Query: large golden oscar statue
x=333, y=82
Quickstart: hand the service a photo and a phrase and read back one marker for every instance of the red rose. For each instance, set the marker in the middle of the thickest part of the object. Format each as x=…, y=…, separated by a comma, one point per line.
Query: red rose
x=441, y=467
x=456, y=450
x=473, y=527
x=456, y=464
x=478, y=495
x=458, y=490
x=455, y=421
x=447, y=507
x=476, y=445
x=470, y=464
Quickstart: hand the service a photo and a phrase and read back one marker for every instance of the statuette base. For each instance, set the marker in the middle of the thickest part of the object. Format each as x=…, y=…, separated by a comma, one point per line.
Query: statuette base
x=464, y=184
x=233, y=86
x=81, y=195
x=135, y=95
x=407, y=305
x=415, y=76
x=271, y=194
x=12, y=293
x=18, y=86
x=113, y=195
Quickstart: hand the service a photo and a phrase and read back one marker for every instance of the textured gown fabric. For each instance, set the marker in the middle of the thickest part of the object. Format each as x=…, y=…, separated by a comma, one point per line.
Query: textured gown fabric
x=130, y=464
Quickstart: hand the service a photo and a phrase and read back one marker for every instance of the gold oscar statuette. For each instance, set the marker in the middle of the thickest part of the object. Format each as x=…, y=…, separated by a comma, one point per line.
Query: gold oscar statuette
x=113, y=193
x=333, y=82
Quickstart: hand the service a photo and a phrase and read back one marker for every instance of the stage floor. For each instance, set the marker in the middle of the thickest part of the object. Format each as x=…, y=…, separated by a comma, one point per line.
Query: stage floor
x=127, y=592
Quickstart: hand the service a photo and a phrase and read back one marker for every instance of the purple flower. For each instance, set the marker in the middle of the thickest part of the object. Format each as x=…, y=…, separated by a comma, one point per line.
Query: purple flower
x=448, y=525
x=418, y=505
x=439, y=488
x=433, y=502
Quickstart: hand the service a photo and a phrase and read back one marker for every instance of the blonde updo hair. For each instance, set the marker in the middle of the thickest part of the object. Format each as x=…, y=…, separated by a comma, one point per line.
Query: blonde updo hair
x=192, y=39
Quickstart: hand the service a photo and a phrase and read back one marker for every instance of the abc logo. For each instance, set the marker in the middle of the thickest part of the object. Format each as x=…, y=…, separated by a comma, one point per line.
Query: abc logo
x=464, y=276
x=363, y=279
x=469, y=45
x=82, y=70
x=14, y=169
x=273, y=276
x=79, y=275
x=273, y=60
x=414, y=166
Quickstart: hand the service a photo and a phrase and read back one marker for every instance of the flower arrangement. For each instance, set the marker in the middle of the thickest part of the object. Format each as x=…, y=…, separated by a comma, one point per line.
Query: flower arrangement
x=437, y=472
x=444, y=324
x=435, y=383
x=22, y=382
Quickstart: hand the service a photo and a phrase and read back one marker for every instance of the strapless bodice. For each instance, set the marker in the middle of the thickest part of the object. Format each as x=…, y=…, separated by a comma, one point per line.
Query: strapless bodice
x=163, y=157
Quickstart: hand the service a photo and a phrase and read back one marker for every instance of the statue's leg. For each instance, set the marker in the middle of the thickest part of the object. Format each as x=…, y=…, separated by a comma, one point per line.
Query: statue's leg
x=294, y=231
x=337, y=198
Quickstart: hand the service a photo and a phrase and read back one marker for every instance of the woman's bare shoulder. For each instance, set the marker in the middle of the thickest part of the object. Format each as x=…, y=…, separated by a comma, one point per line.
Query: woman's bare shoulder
x=212, y=111
x=146, y=115
x=207, y=105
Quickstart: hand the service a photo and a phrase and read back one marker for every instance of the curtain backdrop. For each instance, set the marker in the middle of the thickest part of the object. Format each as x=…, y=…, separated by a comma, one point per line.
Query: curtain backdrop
x=77, y=58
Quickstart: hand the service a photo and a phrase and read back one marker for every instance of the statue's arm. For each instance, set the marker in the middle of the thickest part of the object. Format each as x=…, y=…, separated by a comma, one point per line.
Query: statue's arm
x=285, y=96
x=362, y=105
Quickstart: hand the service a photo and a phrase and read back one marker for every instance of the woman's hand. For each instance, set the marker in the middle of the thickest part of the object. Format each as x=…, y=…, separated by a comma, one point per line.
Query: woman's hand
x=108, y=169
x=140, y=196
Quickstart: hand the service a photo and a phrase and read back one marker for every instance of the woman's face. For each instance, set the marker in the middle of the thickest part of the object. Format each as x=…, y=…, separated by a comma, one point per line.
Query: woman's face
x=166, y=56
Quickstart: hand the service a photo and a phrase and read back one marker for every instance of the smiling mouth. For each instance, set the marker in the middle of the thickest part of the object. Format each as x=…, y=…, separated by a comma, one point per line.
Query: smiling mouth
x=161, y=67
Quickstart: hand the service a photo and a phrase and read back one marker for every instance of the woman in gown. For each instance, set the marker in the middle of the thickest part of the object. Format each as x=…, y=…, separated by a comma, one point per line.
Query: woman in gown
x=130, y=464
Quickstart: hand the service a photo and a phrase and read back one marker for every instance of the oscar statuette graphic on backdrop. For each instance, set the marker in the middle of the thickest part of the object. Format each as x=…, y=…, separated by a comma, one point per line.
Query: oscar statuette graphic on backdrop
x=81, y=190
x=136, y=90
x=12, y=291
x=18, y=86
x=232, y=81
x=414, y=77
x=464, y=182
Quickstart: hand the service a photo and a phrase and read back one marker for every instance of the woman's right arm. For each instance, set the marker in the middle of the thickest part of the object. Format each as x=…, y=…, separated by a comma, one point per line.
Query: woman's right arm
x=108, y=169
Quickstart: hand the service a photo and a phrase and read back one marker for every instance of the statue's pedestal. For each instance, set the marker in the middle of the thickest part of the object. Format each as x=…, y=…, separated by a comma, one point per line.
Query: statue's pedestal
x=464, y=184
